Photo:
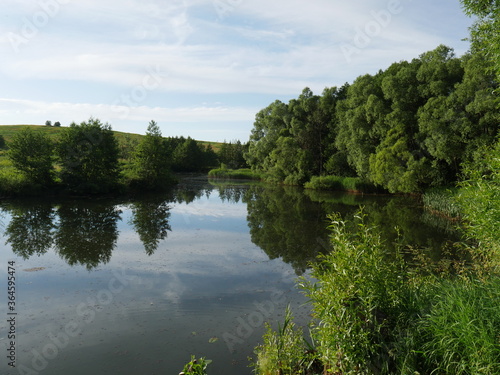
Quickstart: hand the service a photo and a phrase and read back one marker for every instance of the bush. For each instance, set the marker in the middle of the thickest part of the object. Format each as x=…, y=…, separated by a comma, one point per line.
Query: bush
x=240, y=174
x=32, y=154
x=354, y=184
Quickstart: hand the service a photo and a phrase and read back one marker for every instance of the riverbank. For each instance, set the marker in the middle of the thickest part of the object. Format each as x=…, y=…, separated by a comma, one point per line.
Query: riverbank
x=380, y=311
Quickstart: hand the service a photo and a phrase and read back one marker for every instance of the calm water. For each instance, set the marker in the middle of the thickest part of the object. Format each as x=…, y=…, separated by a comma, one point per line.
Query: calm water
x=137, y=286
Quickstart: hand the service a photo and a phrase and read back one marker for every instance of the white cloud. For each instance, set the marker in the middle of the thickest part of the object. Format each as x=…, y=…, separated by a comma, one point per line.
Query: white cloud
x=259, y=47
x=107, y=112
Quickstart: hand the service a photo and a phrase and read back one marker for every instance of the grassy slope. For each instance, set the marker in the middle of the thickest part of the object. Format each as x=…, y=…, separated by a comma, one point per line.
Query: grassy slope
x=7, y=131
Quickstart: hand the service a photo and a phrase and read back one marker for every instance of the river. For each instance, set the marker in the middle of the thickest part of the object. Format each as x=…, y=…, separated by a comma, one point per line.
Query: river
x=135, y=286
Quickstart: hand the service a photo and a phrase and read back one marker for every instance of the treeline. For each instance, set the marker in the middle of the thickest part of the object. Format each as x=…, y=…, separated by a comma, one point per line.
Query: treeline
x=403, y=129
x=88, y=158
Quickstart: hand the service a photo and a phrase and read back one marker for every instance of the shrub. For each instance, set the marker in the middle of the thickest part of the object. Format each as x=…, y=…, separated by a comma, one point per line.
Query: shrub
x=355, y=184
x=240, y=174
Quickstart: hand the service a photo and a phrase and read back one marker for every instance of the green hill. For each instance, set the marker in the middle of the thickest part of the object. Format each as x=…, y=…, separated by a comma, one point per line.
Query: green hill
x=7, y=131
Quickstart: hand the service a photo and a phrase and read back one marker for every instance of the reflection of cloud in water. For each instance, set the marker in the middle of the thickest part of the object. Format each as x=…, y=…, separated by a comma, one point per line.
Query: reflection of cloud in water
x=207, y=208
x=174, y=289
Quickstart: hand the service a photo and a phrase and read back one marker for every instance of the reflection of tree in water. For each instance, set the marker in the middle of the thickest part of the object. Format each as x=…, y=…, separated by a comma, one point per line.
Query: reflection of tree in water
x=398, y=219
x=150, y=220
x=286, y=224
x=30, y=231
x=232, y=194
x=87, y=232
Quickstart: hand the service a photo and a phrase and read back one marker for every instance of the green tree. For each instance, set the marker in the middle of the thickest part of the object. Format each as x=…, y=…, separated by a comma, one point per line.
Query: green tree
x=151, y=159
x=89, y=157
x=188, y=156
x=362, y=121
x=210, y=158
x=485, y=33
x=31, y=153
x=269, y=123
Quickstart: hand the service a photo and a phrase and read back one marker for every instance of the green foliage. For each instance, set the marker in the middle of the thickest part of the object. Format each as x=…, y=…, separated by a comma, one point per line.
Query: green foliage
x=3, y=144
x=151, y=160
x=231, y=154
x=360, y=300
x=479, y=198
x=462, y=328
x=188, y=156
x=196, y=366
x=354, y=184
x=239, y=174
x=88, y=156
x=283, y=350
x=404, y=129
x=32, y=154
x=485, y=36
x=442, y=201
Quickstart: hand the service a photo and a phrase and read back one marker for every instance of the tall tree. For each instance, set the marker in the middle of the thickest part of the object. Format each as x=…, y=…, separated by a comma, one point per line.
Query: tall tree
x=485, y=33
x=89, y=157
x=32, y=154
x=151, y=159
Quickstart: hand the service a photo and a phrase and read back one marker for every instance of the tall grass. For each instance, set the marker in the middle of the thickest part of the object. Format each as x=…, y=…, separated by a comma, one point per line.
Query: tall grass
x=284, y=351
x=354, y=184
x=376, y=312
x=240, y=174
x=442, y=201
x=462, y=329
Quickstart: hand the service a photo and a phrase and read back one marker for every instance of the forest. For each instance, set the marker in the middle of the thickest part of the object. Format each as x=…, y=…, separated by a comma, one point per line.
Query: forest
x=405, y=129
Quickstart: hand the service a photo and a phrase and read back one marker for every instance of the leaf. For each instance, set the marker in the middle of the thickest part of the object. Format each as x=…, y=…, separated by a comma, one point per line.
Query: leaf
x=213, y=339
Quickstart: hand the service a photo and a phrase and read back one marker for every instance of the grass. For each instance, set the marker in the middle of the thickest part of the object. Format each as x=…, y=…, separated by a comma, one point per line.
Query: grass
x=284, y=351
x=462, y=328
x=352, y=184
x=442, y=201
x=376, y=314
x=239, y=174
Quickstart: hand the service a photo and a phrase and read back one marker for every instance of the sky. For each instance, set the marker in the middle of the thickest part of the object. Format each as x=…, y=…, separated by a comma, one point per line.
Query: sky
x=201, y=68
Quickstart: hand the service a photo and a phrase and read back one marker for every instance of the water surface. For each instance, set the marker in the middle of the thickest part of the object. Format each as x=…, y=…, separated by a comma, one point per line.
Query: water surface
x=136, y=286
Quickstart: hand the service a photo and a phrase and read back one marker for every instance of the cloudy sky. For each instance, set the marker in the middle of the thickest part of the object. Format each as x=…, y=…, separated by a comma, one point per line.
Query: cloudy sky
x=200, y=68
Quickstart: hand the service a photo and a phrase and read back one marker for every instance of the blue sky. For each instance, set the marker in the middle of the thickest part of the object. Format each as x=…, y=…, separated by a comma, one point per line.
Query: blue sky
x=200, y=68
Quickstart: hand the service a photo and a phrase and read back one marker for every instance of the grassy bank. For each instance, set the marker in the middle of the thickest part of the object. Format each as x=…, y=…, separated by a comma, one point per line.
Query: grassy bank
x=237, y=174
x=381, y=312
x=442, y=201
x=351, y=184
